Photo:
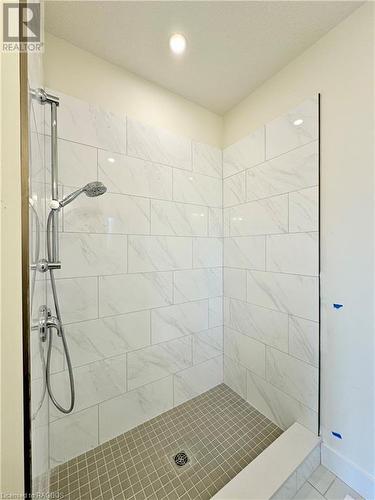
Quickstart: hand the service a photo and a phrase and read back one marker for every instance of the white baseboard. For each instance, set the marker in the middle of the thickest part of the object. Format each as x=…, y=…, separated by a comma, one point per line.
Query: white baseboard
x=347, y=471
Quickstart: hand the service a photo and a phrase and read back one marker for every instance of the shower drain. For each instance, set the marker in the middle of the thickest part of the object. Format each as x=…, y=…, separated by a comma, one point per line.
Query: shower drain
x=181, y=459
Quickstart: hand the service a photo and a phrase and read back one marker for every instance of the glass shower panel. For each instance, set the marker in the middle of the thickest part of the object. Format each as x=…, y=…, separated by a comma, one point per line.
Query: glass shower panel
x=38, y=283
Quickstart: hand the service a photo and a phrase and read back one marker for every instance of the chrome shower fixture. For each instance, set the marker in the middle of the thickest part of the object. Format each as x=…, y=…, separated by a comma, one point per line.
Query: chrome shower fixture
x=48, y=322
x=92, y=189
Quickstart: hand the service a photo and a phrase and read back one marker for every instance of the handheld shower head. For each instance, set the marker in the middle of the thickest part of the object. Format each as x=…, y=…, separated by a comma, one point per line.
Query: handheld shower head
x=92, y=189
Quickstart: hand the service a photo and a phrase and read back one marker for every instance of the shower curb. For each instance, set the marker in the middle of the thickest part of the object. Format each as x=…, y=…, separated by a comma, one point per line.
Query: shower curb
x=275, y=472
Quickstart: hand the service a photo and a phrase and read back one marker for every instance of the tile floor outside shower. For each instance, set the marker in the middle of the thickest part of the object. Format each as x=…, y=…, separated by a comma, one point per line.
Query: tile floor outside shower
x=218, y=430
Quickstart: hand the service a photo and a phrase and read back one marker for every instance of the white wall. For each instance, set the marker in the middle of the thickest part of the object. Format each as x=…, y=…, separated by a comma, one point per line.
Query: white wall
x=78, y=73
x=340, y=66
x=10, y=268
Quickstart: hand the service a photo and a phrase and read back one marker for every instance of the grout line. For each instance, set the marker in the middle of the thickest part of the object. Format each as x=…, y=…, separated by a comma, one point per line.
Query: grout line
x=127, y=370
x=98, y=425
x=265, y=141
x=266, y=160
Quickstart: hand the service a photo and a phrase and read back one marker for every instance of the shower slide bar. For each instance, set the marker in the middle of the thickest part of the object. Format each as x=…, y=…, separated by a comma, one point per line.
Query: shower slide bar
x=54, y=263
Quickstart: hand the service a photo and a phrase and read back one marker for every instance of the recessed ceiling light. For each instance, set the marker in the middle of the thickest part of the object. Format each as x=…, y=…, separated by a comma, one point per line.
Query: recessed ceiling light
x=298, y=122
x=111, y=160
x=177, y=43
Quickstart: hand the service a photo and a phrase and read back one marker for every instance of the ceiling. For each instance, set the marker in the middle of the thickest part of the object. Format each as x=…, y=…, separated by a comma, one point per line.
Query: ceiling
x=232, y=46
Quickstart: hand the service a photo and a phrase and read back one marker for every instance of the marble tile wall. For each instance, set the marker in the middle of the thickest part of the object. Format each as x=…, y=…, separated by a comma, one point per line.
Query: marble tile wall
x=271, y=268
x=141, y=282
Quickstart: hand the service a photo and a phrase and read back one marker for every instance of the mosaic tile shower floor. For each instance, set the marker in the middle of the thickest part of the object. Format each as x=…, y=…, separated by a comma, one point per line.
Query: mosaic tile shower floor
x=219, y=431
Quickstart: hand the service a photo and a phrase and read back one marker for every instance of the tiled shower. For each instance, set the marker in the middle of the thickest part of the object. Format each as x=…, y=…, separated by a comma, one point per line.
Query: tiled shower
x=271, y=267
x=198, y=267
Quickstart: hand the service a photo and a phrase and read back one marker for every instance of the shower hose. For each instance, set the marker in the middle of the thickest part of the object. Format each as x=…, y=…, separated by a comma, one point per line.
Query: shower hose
x=35, y=217
x=61, y=332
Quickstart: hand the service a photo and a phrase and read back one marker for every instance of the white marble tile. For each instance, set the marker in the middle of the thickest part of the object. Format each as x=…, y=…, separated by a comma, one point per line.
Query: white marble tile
x=283, y=134
x=197, y=284
x=244, y=350
x=207, y=160
x=291, y=171
x=304, y=339
x=197, y=379
x=215, y=311
x=308, y=466
x=98, y=339
x=245, y=153
x=282, y=409
x=72, y=435
x=321, y=479
x=293, y=253
x=287, y=490
x=226, y=222
x=38, y=296
x=159, y=253
x=235, y=283
x=270, y=327
x=307, y=492
x=290, y=375
x=134, y=292
x=39, y=404
x=168, y=323
x=94, y=383
x=158, y=145
x=40, y=458
x=207, y=344
x=78, y=298
x=268, y=216
x=207, y=252
x=235, y=376
x=190, y=187
x=36, y=113
x=293, y=294
x=245, y=252
x=215, y=222
x=158, y=361
x=39, y=355
x=87, y=124
x=91, y=254
x=37, y=165
x=127, y=175
x=304, y=210
x=121, y=414
x=180, y=219
x=339, y=491
x=234, y=189
x=77, y=162
x=110, y=213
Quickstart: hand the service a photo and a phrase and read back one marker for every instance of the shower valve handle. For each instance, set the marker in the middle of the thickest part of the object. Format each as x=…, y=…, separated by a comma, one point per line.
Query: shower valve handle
x=46, y=321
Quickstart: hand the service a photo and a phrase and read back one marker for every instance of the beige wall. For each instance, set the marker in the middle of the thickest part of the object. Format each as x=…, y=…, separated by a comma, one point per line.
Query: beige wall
x=78, y=73
x=11, y=455
x=341, y=67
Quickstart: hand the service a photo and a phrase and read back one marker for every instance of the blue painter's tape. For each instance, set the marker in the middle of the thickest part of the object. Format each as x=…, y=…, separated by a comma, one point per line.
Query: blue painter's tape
x=336, y=435
x=338, y=306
